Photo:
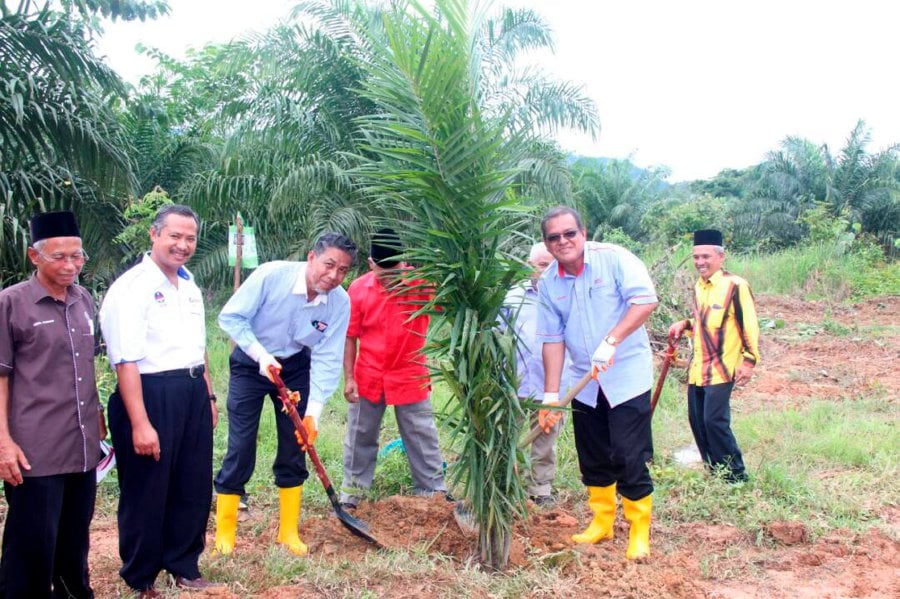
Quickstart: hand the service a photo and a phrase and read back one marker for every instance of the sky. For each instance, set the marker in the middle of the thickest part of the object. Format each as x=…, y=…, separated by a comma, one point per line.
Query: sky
x=693, y=85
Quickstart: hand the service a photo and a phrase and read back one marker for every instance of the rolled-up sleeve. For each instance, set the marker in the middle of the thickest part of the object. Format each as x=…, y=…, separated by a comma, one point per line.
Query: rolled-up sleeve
x=123, y=321
x=550, y=325
x=635, y=285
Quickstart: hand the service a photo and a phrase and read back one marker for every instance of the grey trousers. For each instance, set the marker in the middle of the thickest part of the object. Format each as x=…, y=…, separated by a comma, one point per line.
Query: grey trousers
x=420, y=439
x=543, y=459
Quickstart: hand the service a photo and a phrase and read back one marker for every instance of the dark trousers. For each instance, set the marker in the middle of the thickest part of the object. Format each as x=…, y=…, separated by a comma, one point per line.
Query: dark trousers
x=164, y=505
x=709, y=412
x=45, y=539
x=615, y=444
x=247, y=390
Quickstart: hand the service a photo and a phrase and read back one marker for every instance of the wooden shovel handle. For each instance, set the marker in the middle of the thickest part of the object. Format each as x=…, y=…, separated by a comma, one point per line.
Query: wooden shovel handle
x=537, y=431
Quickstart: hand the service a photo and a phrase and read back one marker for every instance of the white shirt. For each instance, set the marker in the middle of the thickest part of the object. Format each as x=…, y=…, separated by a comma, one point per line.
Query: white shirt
x=147, y=320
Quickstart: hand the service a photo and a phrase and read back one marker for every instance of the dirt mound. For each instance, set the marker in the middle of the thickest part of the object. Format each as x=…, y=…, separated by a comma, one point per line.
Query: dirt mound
x=821, y=350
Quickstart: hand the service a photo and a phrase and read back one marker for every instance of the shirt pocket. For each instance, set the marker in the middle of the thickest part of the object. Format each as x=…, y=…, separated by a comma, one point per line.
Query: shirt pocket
x=715, y=318
x=601, y=294
x=309, y=333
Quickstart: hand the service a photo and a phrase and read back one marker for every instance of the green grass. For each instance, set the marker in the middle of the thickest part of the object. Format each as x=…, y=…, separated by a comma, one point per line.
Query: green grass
x=830, y=465
x=817, y=272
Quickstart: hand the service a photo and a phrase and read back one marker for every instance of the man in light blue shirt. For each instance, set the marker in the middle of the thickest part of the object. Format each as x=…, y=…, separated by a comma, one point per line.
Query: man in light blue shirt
x=521, y=306
x=293, y=317
x=595, y=299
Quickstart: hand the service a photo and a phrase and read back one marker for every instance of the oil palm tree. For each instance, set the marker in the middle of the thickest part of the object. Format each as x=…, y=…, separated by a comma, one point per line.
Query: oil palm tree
x=442, y=154
x=61, y=144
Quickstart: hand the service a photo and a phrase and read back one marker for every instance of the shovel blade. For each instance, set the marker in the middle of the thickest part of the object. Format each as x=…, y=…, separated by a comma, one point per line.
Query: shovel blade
x=355, y=525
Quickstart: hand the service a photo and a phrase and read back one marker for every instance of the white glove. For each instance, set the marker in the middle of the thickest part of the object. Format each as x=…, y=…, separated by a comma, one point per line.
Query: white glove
x=265, y=361
x=314, y=409
x=602, y=358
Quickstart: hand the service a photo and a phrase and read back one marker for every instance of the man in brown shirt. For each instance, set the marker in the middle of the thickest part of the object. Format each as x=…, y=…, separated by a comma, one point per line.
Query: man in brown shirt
x=50, y=418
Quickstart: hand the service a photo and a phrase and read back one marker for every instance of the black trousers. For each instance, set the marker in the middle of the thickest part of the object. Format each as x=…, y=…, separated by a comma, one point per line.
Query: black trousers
x=45, y=539
x=709, y=412
x=615, y=444
x=164, y=505
x=247, y=390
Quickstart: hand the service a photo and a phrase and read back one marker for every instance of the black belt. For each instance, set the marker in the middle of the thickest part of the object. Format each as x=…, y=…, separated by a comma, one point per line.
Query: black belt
x=193, y=372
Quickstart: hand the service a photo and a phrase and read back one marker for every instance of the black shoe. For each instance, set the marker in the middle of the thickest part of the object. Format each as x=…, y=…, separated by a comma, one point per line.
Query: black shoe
x=544, y=500
x=198, y=583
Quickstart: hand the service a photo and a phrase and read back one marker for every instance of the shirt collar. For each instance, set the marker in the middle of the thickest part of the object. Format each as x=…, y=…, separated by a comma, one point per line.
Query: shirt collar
x=562, y=273
x=713, y=280
x=38, y=291
x=148, y=264
x=300, y=287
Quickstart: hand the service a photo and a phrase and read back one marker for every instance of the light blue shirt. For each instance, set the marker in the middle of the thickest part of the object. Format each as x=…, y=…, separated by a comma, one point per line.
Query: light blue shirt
x=581, y=310
x=271, y=309
x=521, y=305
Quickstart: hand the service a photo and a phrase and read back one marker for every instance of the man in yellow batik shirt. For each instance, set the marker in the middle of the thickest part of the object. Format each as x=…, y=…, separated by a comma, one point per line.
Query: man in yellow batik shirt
x=726, y=350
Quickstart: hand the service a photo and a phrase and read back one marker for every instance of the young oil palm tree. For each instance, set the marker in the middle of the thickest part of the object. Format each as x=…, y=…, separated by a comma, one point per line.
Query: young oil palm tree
x=449, y=163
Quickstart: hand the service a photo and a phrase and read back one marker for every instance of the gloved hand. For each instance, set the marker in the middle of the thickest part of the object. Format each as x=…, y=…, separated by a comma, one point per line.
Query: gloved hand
x=547, y=419
x=602, y=358
x=266, y=360
x=310, y=423
x=312, y=432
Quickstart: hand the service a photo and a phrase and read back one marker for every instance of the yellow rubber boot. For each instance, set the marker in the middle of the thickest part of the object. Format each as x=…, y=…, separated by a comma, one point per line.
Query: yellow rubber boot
x=602, y=501
x=290, y=500
x=226, y=522
x=638, y=514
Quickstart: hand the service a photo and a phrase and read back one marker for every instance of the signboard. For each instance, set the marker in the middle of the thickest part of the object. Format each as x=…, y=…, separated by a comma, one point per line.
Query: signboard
x=249, y=258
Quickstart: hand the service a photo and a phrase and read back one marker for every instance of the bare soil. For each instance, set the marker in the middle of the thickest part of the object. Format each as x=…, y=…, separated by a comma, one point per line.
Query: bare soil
x=823, y=351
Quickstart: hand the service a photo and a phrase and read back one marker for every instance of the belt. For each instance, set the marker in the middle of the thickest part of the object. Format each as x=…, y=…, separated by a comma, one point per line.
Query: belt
x=193, y=372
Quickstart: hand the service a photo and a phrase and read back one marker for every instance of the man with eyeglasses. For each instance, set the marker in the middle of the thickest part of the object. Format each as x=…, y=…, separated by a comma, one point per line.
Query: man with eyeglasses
x=162, y=412
x=51, y=421
x=594, y=301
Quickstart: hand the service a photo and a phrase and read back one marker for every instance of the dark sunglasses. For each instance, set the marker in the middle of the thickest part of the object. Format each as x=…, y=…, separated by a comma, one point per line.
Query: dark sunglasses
x=570, y=234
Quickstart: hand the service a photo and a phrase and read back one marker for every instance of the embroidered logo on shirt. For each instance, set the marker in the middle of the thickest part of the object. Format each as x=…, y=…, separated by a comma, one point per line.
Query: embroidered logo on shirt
x=320, y=325
x=159, y=297
x=41, y=322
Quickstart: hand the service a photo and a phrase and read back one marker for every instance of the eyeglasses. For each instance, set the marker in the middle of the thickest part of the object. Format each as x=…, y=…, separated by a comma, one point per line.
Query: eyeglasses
x=556, y=237
x=75, y=258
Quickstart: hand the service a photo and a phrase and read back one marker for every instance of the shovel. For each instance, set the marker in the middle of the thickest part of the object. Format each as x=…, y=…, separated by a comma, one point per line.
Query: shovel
x=663, y=371
x=354, y=525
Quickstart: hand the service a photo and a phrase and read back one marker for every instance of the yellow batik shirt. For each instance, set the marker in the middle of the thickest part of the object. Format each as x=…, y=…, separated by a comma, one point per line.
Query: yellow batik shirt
x=725, y=329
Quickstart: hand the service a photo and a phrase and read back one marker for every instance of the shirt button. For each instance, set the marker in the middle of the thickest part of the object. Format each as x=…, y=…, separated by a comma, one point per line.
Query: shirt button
x=73, y=330
x=79, y=379
x=77, y=354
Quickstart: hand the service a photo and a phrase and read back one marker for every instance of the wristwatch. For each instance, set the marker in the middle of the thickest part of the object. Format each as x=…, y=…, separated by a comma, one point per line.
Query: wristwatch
x=611, y=340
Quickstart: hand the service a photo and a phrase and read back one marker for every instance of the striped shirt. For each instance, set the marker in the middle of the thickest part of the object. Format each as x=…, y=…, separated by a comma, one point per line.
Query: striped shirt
x=725, y=329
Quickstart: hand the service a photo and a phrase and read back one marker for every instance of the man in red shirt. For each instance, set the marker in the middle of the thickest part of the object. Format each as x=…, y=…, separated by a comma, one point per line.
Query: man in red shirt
x=388, y=369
